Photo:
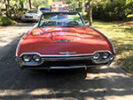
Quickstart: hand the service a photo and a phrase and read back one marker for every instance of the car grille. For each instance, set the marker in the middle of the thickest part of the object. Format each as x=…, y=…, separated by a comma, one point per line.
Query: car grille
x=66, y=63
x=28, y=16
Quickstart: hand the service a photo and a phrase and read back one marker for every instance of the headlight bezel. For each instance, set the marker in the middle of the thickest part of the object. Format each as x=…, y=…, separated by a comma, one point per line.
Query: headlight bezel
x=96, y=56
x=28, y=56
x=31, y=58
x=101, y=59
x=36, y=58
x=105, y=55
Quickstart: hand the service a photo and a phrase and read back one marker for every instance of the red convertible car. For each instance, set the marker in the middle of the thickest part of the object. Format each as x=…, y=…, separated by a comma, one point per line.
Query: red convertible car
x=62, y=40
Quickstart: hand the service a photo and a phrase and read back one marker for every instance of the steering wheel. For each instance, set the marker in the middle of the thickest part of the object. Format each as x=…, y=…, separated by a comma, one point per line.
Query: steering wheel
x=72, y=23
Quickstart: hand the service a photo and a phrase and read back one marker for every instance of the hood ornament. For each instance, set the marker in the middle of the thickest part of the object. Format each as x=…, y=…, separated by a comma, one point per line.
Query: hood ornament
x=67, y=53
x=62, y=40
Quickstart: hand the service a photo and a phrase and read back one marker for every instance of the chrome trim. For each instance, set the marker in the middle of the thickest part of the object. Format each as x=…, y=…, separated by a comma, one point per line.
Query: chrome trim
x=67, y=53
x=31, y=63
x=67, y=58
x=22, y=37
x=67, y=67
x=64, y=55
x=100, y=62
x=62, y=58
x=19, y=43
x=60, y=67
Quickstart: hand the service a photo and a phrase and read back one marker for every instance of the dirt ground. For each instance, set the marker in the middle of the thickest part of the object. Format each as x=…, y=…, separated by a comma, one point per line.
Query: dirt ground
x=104, y=83
x=129, y=23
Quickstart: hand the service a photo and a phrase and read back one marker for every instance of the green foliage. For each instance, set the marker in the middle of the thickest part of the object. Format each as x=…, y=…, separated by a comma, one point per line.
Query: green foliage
x=16, y=13
x=6, y=21
x=116, y=10
x=37, y=3
x=15, y=9
x=41, y=3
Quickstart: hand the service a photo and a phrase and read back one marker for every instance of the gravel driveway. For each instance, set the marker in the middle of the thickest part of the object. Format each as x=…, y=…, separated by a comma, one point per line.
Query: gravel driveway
x=95, y=84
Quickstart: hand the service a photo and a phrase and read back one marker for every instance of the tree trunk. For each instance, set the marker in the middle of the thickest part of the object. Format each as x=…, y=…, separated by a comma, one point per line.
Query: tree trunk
x=30, y=4
x=7, y=4
x=0, y=12
x=90, y=12
x=78, y=4
x=22, y=6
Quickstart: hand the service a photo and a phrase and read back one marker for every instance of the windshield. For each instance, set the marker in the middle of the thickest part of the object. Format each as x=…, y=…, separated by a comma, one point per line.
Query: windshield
x=59, y=19
x=32, y=11
x=45, y=8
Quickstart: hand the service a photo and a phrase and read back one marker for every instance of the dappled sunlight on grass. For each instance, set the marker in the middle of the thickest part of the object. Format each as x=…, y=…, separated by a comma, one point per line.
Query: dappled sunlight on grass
x=122, y=38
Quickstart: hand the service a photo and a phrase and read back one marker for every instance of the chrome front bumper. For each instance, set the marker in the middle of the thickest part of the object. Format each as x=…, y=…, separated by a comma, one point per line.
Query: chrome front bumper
x=52, y=59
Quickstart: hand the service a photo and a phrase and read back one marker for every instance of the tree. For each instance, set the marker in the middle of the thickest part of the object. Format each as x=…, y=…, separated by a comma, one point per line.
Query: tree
x=30, y=4
x=7, y=4
x=90, y=12
x=1, y=4
x=21, y=3
x=37, y=3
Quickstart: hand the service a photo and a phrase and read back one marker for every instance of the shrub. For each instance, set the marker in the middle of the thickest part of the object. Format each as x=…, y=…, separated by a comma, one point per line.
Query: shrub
x=17, y=13
x=6, y=21
x=116, y=10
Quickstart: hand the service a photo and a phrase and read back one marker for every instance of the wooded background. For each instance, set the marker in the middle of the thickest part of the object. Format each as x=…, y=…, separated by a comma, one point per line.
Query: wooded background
x=107, y=10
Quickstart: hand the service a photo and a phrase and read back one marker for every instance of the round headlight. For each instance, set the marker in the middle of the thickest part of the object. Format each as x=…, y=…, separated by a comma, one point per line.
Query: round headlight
x=27, y=58
x=36, y=58
x=105, y=55
x=96, y=56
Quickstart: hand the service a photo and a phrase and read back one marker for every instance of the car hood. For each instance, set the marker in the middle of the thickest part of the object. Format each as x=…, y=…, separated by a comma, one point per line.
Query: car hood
x=55, y=40
x=70, y=34
x=30, y=14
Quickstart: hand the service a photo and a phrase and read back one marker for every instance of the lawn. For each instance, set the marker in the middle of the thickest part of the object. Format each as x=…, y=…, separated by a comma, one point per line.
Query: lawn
x=122, y=38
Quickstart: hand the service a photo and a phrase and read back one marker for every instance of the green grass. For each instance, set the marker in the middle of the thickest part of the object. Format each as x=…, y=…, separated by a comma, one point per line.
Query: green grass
x=130, y=15
x=122, y=38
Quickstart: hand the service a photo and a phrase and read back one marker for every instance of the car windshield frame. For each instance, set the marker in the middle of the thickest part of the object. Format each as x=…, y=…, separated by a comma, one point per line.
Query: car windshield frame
x=69, y=13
